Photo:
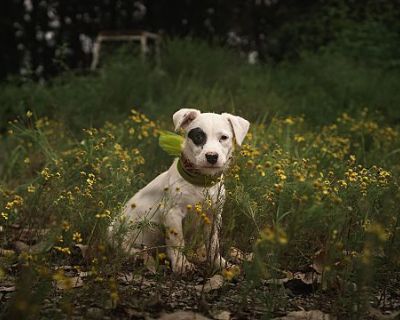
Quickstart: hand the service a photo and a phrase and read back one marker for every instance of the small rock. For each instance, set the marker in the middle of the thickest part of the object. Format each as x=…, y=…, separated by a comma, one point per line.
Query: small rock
x=183, y=315
x=213, y=283
x=94, y=313
x=306, y=315
x=222, y=315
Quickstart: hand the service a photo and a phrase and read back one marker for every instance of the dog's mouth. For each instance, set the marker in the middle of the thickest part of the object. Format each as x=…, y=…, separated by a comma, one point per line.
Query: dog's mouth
x=191, y=166
x=210, y=167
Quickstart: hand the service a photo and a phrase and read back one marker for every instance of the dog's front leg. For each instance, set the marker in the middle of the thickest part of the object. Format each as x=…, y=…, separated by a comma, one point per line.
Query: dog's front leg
x=213, y=249
x=175, y=242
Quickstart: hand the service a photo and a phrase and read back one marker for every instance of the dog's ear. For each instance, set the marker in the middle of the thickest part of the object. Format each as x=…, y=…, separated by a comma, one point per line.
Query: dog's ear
x=183, y=117
x=239, y=125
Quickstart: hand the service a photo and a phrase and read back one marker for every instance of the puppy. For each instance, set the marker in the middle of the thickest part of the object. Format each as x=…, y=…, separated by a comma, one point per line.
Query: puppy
x=155, y=213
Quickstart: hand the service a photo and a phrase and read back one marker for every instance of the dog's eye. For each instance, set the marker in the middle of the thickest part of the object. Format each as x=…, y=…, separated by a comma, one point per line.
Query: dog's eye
x=198, y=136
x=224, y=138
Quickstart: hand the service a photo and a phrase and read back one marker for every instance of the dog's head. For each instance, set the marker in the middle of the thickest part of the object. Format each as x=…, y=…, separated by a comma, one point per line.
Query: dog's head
x=210, y=138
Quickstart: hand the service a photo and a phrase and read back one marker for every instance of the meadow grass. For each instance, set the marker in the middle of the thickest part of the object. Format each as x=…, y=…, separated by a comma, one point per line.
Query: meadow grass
x=319, y=85
x=303, y=189
x=291, y=193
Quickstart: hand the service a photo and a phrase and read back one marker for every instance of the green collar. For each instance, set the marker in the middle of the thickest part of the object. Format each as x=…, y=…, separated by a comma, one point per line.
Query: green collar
x=197, y=179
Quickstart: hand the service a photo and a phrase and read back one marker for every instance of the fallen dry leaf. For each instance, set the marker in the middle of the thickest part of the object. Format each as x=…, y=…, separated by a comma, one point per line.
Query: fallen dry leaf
x=21, y=246
x=308, y=277
x=200, y=256
x=69, y=283
x=306, y=315
x=6, y=253
x=183, y=315
x=213, y=283
x=238, y=256
x=149, y=262
x=222, y=315
x=26, y=234
x=83, y=248
x=7, y=289
x=319, y=261
x=377, y=314
x=125, y=278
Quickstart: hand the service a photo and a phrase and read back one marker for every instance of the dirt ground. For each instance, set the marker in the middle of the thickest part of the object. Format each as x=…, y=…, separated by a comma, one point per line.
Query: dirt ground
x=149, y=295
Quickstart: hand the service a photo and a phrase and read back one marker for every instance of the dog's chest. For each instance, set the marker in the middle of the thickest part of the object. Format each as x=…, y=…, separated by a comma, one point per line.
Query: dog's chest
x=189, y=196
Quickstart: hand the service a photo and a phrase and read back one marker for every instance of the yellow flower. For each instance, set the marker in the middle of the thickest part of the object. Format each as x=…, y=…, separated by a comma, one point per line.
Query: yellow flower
x=298, y=138
x=378, y=230
x=289, y=121
x=31, y=189
x=64, y=250
x=162, y=256
x=104, y=214
x=77, y=237
x=4, y=215
x=29, y=113
x=230, y=273
x=65, y=225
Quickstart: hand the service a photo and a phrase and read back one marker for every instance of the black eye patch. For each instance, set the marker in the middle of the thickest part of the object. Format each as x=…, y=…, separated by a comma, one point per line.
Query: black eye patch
x=198, y=136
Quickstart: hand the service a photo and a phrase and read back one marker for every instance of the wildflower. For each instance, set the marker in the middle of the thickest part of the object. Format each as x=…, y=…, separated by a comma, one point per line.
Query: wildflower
x=230, y=273
x=103, y=214
x=31, y=189
x=4, y=215
x=282, y=237
x=45, y=173
x=378, y=230
x=289, y=121
x=206, y=219
x=342, y=183
x=276, y=235
x=278, y=187
x=64, y=250
x=298, y=138
x=162, y=256
x=29, y=114
x=65, y=225
x=77, y=237
x=114, y=293
x=17, y=202
x=63, y=282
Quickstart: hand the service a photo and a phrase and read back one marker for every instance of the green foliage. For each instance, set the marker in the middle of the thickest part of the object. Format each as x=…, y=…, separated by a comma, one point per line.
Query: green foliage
x=317, y=172
x=292, y=191
x=320, y=86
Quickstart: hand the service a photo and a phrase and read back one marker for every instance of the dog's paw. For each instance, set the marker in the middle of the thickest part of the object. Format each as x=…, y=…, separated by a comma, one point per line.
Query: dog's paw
x=183, y=266
x=220, y=264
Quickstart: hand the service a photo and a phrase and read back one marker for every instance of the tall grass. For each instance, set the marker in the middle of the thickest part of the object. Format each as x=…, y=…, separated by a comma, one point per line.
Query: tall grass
x=296, y=197
x=320, y=85
x=311, y=185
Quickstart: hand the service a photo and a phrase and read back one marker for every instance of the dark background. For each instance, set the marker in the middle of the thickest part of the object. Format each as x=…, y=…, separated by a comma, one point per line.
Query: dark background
x=40, y=37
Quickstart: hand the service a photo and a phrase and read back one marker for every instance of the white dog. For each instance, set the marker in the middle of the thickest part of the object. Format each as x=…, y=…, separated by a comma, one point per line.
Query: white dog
x=155, y=214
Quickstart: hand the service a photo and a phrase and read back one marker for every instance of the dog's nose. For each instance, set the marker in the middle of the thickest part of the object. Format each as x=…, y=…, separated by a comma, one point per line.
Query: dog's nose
x=212, y=157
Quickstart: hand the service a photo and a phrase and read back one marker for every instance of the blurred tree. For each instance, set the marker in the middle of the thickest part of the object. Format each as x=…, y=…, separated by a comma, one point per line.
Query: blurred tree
x=42, y=37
